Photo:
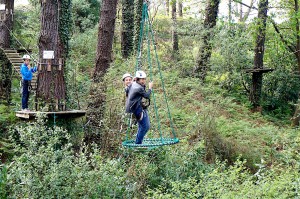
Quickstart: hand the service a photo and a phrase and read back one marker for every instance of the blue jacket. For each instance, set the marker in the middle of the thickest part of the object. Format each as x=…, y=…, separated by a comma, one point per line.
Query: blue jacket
x=26, y=73
x=135, y=94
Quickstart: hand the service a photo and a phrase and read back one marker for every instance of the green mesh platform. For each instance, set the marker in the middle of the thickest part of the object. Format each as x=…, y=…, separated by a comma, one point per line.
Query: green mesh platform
x=151, y=142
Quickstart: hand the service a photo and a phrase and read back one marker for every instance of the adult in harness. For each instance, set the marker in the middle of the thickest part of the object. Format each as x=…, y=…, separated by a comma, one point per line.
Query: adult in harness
x=134, y=104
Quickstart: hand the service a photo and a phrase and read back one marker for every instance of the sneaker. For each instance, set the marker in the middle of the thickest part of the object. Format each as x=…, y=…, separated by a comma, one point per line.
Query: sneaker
x=26, y=110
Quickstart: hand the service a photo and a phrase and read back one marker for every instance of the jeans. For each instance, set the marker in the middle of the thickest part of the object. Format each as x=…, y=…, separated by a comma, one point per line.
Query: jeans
x=143, y=127
x=25, y=94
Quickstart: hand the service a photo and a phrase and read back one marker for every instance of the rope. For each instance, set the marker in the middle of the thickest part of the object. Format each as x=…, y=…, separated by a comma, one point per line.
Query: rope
x=162, y=80
x=19, y=42
x=149, y=35
x=151, y=76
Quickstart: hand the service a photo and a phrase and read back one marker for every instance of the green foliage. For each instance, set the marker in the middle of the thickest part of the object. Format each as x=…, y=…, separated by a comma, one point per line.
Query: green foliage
x=85, y=14
x=65, y=24
x=26, y=28
x=234, y=182
x=48, y=166
x=3, y=181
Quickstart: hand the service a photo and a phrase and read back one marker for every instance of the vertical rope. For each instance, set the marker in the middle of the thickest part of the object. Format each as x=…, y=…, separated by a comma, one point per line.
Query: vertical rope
x=139, y=51
x=151, y=72
x=161, y=77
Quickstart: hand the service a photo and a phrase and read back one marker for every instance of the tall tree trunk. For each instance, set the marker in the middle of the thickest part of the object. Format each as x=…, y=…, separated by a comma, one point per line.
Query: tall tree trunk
x=297, y=53
x=96, y=107
x=138, y=9
x=255, y=92
x=229, y=11
x=211, y=14
x=127, y=27
x=174, y=30
x=54, y=35
x=296, y=117
x=241, y=12
x=6, y=68
x=167, y=7
x=180, y=8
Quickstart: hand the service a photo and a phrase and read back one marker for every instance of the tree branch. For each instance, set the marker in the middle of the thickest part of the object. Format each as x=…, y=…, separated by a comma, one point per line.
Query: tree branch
x=251, y=7
x=292, y=48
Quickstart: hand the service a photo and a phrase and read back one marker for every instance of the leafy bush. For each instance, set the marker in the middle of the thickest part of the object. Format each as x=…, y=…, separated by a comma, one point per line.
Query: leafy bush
x=47, y=167
x=234, y=182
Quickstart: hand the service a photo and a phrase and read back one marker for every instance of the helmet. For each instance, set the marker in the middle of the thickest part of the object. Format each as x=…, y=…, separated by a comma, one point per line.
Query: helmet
x=140, y=74
x=126, y=75
x=26, y=57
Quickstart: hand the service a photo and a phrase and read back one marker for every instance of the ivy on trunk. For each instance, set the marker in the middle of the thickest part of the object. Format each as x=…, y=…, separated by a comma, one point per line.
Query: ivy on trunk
x=97, y=98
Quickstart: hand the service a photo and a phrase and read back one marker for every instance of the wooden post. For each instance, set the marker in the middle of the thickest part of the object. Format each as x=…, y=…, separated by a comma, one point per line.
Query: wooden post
x=56, y=104
x=60, y=63
x=49, y=65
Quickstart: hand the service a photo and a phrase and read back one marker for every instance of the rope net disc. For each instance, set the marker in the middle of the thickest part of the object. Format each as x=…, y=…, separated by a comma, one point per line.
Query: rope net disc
x=151, y=142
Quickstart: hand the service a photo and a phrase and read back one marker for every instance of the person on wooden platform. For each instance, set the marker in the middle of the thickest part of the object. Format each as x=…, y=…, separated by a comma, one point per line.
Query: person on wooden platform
x=134, y=105
x=26, y=72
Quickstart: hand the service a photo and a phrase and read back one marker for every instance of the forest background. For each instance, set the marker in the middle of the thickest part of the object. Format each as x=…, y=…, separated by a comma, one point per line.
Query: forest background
x=236, y=141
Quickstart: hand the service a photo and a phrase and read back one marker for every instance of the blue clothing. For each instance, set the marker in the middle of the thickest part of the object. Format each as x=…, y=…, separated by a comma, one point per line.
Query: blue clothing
x=26, y=78
x=25, y=94
x=26, y=73
x=143, y=127
x=135, y=94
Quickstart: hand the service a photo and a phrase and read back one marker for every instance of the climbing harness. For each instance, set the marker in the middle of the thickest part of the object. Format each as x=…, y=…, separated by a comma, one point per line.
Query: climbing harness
x=146, y=33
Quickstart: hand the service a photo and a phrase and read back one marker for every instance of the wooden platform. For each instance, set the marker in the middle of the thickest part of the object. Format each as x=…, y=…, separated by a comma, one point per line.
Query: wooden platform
x=259, y=70
x=65, y=114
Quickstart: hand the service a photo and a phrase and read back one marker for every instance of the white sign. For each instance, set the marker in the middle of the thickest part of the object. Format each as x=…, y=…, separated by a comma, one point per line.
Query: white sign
x=2, y=6
x=48, y=54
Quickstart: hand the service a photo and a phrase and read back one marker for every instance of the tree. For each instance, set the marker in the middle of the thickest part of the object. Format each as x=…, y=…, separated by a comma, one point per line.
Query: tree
x=167, y=7
x=242, y=17
x=127, y=27
x=138, y=9
x=180, y=8
x=54, y=36
x=255, y=91
x=96, y=107
x=211, y=14
x=294, y=48
x=174, y=29
x=85, y=13
x=5, y=27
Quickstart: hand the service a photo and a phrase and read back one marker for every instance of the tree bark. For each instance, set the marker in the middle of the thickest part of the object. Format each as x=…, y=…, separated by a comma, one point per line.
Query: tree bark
x=255, y=92
x=180, y=8
x=174, y=30
x=230, y=11
x=6, y=68
x=138, y=9
x=167, y=7
x=296, y=117
x=54, y=36
x=6, y=25
x=127, y=27
x=96, y=107
x=211, y=14
x=241, y=13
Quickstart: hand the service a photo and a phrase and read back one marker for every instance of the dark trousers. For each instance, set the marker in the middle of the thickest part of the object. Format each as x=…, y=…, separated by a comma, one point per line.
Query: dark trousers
x=143, y=127
x=25, y=94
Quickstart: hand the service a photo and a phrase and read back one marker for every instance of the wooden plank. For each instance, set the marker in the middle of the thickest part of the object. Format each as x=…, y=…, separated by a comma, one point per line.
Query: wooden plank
x=22, y=115
x=28, y=114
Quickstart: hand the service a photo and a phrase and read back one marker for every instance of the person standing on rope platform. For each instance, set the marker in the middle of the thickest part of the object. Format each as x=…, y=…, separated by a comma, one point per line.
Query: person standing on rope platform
x=127, y=79
x=134, y=104
x=26, y=72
